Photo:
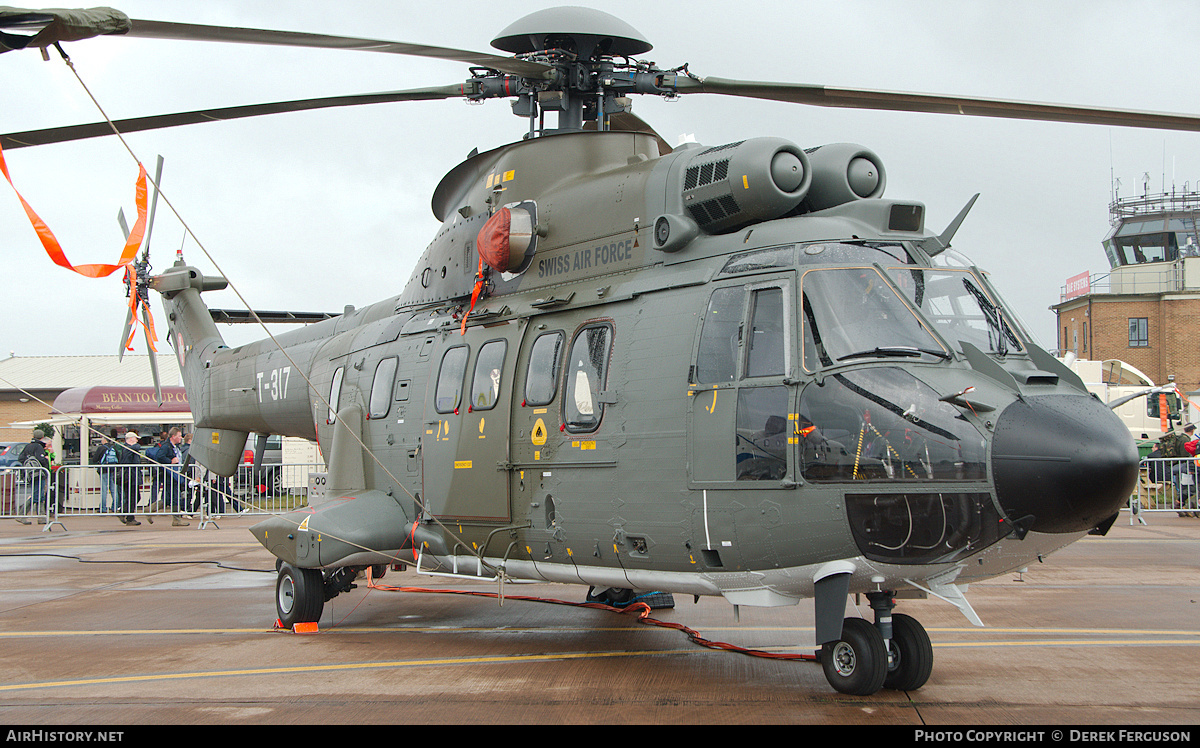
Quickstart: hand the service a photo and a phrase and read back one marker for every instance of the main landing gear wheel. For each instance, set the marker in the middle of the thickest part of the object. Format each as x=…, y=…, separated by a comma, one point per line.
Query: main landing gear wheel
x=299, y=595
x=856, y=664
x=911, y=655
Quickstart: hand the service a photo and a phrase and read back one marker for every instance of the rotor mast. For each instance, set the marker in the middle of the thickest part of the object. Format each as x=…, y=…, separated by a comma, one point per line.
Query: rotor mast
x=583, y=82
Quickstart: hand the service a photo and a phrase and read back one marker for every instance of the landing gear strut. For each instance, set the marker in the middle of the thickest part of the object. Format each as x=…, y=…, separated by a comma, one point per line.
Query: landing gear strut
x=894, y=652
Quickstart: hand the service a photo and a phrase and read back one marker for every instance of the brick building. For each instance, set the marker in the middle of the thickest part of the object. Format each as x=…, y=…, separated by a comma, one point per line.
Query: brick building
x=1146, y=309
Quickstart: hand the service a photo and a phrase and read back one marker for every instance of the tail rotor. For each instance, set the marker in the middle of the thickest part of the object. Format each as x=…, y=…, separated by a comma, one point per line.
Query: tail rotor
x=137, y=291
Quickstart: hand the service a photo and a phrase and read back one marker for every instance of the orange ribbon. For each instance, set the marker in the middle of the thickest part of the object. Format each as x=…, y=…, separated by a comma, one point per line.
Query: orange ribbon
x=54, y=249
x=474, y=297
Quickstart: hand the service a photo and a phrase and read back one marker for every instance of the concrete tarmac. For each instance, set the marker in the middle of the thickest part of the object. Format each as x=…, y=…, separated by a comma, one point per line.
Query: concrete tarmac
x=107, y=625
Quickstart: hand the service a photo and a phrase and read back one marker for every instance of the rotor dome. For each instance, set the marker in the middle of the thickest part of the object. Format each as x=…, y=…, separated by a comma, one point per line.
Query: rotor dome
x=587, y=32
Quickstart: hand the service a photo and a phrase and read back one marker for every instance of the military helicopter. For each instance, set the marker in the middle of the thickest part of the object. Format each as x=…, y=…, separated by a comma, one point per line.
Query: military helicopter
x=732, y=370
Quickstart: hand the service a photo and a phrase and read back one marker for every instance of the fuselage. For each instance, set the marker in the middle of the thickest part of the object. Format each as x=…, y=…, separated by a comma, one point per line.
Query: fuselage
x=742, y=412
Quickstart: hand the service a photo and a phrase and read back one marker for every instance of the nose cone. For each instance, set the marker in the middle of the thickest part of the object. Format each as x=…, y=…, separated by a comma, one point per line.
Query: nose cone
x=1065, y=460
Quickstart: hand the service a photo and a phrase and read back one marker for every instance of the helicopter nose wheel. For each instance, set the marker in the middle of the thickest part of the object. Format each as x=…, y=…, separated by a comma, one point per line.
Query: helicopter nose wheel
x=894, y=652
x=857, y=663
x=299, y=595
x=910, y=655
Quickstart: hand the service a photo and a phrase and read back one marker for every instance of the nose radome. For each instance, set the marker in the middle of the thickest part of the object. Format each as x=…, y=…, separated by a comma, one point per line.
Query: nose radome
x=1065, y=460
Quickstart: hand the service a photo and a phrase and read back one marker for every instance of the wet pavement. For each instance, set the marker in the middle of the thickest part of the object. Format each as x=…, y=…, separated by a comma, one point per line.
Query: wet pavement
x=107, y=625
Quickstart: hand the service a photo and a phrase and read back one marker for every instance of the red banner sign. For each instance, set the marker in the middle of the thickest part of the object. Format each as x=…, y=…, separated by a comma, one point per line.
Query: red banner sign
x=1079, y=285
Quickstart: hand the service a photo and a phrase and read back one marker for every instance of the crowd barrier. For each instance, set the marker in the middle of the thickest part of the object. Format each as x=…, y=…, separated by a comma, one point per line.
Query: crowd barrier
x=27, y=494
x=149, y=491
x=1168, y=484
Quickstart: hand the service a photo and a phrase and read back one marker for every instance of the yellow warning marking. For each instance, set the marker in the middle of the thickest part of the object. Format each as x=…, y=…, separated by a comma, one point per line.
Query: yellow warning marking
x=342, y=667
x=588, y=445
x=538, y=437
x=539, y=411
x=462, y=464
x=745, y=181
x=216, y=438
x=304, y=524
x=510, y=175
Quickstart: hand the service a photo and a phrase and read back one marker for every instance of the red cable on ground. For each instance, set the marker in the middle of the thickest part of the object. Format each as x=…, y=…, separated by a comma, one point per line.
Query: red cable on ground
x=643, y=610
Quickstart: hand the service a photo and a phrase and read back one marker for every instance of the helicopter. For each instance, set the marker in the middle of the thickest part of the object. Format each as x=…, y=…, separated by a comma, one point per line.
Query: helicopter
x=732, y=370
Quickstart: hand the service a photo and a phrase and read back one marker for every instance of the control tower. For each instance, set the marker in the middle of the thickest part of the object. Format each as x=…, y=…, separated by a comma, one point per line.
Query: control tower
x=1146, y=309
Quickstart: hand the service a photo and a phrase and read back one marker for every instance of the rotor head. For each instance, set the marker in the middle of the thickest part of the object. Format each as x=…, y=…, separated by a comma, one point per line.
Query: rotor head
x=588, y=33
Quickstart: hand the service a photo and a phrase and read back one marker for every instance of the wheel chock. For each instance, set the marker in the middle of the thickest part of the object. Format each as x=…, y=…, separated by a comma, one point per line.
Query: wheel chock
x=297, y=628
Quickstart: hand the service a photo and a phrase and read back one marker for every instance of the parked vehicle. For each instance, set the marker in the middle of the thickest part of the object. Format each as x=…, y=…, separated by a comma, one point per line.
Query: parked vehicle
x=275, y=475
x=10, y=453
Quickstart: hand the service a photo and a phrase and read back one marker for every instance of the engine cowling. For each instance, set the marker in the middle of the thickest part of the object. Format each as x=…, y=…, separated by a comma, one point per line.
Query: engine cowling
x=841, y=173
x=729, y=186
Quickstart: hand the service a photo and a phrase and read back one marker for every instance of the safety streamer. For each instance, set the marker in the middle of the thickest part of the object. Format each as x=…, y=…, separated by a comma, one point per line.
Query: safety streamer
x=54, y=249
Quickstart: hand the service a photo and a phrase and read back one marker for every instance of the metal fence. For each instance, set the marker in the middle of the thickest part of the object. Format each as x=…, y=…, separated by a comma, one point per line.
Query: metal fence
x=132, y=493
x=1168, y=485
x=27, y=495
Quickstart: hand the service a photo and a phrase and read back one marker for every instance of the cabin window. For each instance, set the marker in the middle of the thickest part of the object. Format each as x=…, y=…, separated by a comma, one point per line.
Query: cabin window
x=716, y=361
x=381, y=388
x=587, y=369
x=765, y=355
x=485, y=386
x=335, y=393
x=541, y=378
x=448, y=393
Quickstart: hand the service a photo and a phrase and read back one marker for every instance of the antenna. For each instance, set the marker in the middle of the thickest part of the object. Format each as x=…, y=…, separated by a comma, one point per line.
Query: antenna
x=1112, y=177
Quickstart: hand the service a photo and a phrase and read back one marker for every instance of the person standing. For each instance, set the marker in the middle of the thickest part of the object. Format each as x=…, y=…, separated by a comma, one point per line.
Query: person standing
x=171, y=477
x=104, y=458
x=35, y=458
x=129, y=477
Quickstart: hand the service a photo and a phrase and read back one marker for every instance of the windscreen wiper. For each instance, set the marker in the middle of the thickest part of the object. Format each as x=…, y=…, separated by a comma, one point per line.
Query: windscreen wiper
x=896, y=350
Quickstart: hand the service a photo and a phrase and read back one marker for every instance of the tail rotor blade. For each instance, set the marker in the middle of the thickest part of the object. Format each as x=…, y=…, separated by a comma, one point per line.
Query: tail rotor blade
x=125, y=334
x=153, y=357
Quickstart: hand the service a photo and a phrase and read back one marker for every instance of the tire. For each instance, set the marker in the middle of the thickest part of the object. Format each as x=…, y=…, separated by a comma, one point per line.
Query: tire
x=299, y=595
x=912, y=655
x=856, y=664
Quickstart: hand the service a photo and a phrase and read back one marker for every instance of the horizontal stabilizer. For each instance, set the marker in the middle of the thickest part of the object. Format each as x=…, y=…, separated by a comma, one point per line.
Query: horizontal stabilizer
x=219, y=450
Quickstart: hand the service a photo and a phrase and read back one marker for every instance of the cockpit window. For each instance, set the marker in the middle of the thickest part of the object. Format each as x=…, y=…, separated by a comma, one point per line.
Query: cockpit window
x=884, y=424
x=831, y=253
x=853, y=313
x=958, y=307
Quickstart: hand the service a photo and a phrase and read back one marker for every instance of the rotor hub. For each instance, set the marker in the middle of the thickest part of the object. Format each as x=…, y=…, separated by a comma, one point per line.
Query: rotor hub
x=587, y=33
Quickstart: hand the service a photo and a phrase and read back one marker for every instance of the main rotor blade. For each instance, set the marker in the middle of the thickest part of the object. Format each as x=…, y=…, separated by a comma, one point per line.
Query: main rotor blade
x=197, y=32
x=914, y=102
x=136, y=124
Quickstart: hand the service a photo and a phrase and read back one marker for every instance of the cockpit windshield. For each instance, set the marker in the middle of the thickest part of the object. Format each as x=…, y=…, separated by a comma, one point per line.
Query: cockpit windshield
x=958, y=307
x=853, y=313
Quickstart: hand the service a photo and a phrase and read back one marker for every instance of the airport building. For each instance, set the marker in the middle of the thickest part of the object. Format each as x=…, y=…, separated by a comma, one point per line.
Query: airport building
x=1146, y=309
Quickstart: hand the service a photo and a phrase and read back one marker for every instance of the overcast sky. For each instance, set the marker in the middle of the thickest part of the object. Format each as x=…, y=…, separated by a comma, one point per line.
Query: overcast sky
x=317, y=210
